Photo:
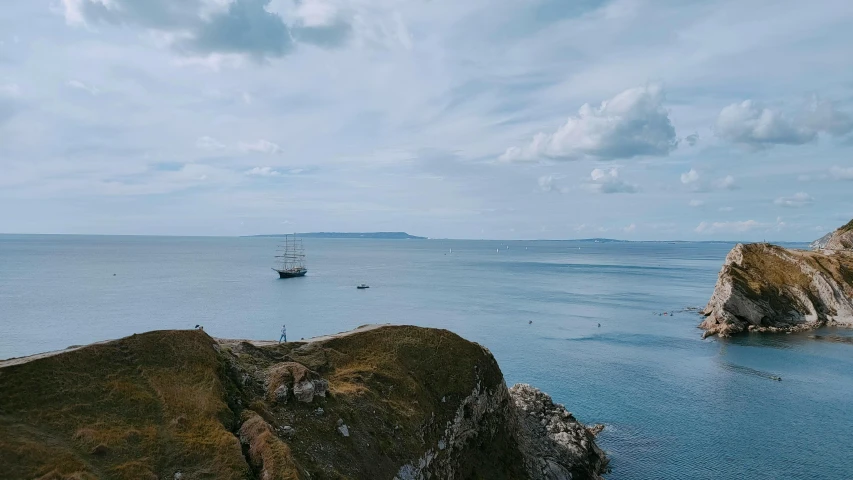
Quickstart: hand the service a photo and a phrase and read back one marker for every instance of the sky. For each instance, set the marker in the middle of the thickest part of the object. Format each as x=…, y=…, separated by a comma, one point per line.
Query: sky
x=519, y=119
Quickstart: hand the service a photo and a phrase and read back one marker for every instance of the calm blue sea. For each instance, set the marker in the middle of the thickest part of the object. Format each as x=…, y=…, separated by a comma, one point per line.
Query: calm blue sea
x=675, y=406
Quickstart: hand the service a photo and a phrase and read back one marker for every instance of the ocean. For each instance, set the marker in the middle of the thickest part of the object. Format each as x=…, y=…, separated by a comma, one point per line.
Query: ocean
x=675, y=406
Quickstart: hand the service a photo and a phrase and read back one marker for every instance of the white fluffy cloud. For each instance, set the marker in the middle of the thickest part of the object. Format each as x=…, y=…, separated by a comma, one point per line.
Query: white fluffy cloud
x=608, y=181
x=263, y=172
x=262, y=146
x=797, y=200
x=690, y=177
x=726, y=183
x=630, y=124
x=693, y=180
x=751, y=124
x=696, y=203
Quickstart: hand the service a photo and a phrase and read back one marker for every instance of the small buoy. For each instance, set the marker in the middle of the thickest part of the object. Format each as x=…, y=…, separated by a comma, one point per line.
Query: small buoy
x=599, y=325
x=529, y=322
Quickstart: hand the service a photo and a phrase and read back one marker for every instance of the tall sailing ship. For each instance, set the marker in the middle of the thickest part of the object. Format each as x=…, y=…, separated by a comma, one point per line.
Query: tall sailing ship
x=291, y=259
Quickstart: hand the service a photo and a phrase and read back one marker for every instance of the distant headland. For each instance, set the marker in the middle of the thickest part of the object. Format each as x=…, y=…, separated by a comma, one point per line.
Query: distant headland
x=380, y=235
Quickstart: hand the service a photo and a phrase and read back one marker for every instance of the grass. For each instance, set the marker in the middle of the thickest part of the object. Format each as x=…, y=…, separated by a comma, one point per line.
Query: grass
x=150, y=405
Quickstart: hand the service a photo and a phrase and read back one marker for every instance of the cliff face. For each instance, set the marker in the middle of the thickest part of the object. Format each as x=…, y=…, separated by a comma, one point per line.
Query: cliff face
x=383, y=403
x=764, y=287
x=841, y=239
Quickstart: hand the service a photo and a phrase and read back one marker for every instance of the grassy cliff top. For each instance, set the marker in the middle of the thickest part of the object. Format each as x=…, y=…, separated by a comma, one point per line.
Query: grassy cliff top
x=153, y=404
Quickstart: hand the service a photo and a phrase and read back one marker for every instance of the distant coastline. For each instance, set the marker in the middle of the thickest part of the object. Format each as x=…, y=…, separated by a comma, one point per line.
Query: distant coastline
x=373, y=235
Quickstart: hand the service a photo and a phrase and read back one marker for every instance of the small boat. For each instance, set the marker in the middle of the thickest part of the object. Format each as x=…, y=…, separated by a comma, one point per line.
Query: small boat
x=362, y=286
x=292, y=263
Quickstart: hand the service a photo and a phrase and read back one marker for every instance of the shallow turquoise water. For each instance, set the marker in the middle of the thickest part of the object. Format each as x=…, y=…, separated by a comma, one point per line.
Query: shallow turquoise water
x=676, y=406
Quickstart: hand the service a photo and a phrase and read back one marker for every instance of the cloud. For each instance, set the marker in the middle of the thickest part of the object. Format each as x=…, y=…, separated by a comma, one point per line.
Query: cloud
x=726, y=183
x=630, y=228
x=728, y=227
x=219, y=27
x=750, y=124
x=693, y=180
x=841, y=173
x=209, y=143
x=692, y=139
x=608, y=181
x=798, y=200
x=696, y=203
x=549, y=183
x=263, y=172
x=821, y=116
x=690, y=177
x=82, y=86
x=262, y=146
x=630, y=124
x=247, y=28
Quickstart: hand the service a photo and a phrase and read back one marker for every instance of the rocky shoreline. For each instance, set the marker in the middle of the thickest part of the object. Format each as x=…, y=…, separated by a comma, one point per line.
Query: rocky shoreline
x=379, y=402
x=767, y=288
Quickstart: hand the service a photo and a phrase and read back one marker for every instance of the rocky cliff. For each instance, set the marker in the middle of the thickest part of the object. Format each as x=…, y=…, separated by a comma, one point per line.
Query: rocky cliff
x=381, y=403
x=763, y=287
x=841, y=239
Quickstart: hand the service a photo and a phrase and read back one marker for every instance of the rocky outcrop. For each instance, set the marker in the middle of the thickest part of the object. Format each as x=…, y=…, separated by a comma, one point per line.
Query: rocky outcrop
x=380, y=403
x=821, y=242
x=767, y=288
x=555, y=445
x=841, y=239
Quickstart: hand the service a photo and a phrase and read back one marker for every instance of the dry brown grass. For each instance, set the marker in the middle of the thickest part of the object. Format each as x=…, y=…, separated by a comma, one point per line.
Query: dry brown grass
x=153, y=402
x=270, y=457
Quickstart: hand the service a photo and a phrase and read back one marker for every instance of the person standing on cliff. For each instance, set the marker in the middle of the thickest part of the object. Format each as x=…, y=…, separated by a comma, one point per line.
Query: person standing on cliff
x=283, y=336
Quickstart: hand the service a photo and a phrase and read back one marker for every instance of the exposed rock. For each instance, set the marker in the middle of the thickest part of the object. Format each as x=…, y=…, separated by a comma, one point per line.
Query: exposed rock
x=839, y=239
x=304, y=391
x=555, y=445
x=821, y=242
x=344, y=430
x=294, y=377
x=767, y=288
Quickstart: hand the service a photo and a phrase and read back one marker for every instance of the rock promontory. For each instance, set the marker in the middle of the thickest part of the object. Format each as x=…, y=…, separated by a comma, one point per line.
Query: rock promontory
x=767, y=288
x=386, y=402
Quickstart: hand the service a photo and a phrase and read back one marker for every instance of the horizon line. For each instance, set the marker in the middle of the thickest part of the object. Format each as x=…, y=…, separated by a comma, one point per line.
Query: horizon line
x=270, y=235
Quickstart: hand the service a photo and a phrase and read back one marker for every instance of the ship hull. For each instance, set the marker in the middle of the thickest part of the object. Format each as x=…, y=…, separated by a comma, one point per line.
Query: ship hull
x=292, y=274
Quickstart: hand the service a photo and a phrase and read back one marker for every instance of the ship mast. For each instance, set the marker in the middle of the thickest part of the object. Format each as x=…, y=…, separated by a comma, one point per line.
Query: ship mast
x=293, y=257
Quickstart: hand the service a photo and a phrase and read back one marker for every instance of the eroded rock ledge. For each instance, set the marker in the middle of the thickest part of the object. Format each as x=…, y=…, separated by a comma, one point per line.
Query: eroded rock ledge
x=379, y=403
x=767, y=288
